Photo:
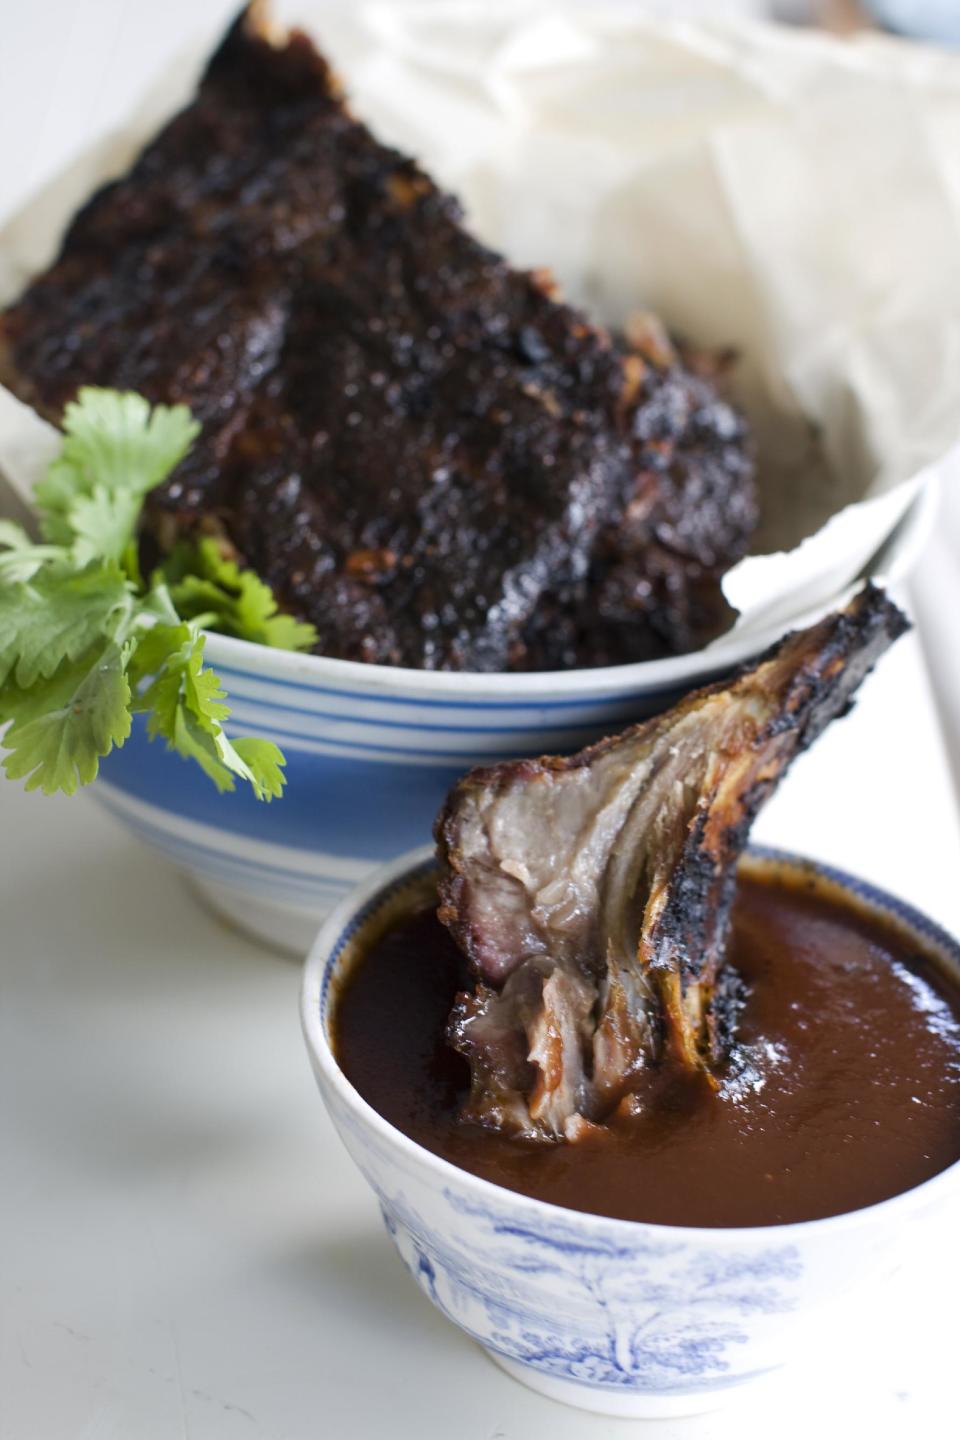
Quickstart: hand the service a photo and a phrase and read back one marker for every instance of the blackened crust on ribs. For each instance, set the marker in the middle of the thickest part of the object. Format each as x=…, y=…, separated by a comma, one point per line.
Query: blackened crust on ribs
x=615, y=869
x=653, y=585
x=814, y=674
x=416, y=446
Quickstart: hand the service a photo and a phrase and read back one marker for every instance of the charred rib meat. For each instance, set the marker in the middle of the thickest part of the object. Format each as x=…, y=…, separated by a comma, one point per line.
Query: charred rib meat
x=416, y=446
x=592, y=894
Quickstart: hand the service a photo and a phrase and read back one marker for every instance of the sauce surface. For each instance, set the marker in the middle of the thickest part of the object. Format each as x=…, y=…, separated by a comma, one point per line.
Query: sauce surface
x=844, y=1088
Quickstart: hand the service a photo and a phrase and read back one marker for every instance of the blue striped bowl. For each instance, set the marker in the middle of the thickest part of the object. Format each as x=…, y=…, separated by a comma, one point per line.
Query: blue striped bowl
x=371, y=751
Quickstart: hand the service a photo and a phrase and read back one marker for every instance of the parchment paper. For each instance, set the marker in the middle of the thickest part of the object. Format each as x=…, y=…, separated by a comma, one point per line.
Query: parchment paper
x=791, y=195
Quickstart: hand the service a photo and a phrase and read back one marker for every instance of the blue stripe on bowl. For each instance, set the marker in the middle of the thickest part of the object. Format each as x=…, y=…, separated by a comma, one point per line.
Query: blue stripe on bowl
x=337, y=804
x=265, y=708
x=245, y=874
x=354, y=748
x=648, y=700
x=362, y=786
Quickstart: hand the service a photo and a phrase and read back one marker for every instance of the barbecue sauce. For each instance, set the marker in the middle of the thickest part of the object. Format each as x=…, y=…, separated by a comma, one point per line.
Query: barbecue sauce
x=843, y=1088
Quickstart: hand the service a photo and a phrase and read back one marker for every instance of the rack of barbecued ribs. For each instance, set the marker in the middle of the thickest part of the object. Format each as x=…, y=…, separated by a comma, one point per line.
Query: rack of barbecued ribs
x=418, y=447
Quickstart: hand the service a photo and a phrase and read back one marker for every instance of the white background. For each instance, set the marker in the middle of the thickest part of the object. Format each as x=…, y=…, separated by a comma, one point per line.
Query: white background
x=185, y=1251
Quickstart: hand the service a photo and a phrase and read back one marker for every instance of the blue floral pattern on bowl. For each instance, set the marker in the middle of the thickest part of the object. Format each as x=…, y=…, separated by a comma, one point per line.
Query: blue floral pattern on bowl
x=654, y=1313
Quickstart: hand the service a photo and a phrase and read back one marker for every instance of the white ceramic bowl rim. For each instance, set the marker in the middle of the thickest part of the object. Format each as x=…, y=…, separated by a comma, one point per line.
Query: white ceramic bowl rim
x=404, y=868
x=267, y=663
x=643, y=675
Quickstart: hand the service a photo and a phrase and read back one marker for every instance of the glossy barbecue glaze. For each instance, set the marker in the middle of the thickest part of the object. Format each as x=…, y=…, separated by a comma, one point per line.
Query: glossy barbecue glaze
x=844, y=1088
x=414, y=444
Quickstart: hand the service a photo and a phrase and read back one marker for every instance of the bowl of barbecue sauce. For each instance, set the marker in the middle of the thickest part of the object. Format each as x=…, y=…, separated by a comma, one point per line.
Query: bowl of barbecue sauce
x=674, y=1254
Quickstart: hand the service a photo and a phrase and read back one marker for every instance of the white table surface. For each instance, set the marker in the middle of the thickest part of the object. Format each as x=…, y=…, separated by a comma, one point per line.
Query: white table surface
x=185, y=1251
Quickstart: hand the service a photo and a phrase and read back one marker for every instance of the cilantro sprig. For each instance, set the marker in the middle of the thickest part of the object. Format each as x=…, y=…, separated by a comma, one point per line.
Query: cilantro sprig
x=208, y=587
x=85, y=643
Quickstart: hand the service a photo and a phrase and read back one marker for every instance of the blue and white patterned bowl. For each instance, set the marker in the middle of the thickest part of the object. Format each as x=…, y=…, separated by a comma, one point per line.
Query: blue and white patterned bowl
x=610, y=1315
x=371, y=752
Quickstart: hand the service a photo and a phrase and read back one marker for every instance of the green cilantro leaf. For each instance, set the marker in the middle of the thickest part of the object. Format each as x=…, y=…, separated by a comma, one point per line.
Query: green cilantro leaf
x=58, y=733
x=174, y=654
x=13, y=536
x=116, y=449
x=185, y=706
x=84, y=642
x=57, y=615
x=103, y=524
x=209, y=586
x=265, y=762
x=21, y=558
